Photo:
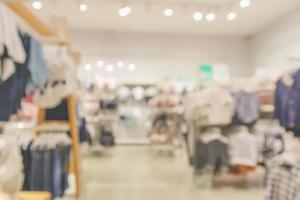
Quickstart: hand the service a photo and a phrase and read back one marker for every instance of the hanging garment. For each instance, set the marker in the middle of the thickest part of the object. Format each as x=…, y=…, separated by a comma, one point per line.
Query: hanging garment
x=7, y=107
x=37, y=66
x=10, y=166
x=22, y=72
x=283, y=183
x=59, y=112
x=123, y=94
x=270, y=138
x=7, y=90
x=9, y=36
x=243, y=149
x=210, y=107
x=61, y=81
x=107, y=138
x=247, y=107
x=48, y=166
x=84, y=134
x=138, y=93
x=211, y=152
x=110, y=104
x=212, y=156
x=287, y=106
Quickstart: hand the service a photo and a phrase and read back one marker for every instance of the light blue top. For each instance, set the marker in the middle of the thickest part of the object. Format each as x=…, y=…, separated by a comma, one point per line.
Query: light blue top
x=37, y=66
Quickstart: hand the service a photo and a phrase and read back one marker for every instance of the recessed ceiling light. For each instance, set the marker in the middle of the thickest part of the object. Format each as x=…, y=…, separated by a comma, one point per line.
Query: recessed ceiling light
x=245, y=3
x=88, y=67
x=168, y=12
x=110, y=68
x=210, y=17
x=197, y=16
x=120, y=64
x=231, y=16
x=124, y=11
x=37, y=5
x=131, y=67
x=100, y=63
x=83, y=7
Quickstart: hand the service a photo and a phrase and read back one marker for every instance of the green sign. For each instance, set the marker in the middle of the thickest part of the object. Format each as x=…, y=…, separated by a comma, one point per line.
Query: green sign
x=206, y=72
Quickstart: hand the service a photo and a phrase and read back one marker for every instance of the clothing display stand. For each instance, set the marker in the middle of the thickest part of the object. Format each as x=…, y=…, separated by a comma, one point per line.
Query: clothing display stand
x=32, y=20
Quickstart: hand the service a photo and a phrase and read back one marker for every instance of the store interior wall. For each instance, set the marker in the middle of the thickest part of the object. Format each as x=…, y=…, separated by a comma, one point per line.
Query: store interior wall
x=158, y=56
x=277, y=46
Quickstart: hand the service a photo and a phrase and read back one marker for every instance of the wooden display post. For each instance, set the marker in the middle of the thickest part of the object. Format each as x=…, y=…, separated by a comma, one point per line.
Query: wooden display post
x=31, y=19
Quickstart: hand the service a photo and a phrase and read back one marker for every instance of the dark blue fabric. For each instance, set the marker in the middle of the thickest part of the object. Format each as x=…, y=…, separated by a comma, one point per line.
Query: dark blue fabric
x=60, y=112
x=48, y=171
x=22, y=72
x=7, y=100
x=8, y=95
x=66, y=151
x=26, y=155
x=84, y=134
x=108, y=104
x=57, y=172
x=287, y=103
x=13, y=89
x=37, y=172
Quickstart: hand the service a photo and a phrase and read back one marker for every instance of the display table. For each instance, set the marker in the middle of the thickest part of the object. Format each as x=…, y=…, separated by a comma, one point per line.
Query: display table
x=35, y=196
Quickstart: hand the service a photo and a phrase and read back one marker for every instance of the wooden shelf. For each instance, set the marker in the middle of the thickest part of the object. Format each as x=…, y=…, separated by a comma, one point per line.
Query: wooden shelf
x=34, y=196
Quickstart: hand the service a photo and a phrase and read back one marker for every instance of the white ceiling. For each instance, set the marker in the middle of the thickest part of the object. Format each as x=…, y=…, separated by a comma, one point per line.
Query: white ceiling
x=103, y=15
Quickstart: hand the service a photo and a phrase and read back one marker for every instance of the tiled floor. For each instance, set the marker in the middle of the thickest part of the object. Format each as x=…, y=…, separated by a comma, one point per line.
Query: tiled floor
x=138, y=173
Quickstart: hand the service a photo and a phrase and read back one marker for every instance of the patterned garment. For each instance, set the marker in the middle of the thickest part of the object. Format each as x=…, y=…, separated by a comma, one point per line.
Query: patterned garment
x=287, y=102
x=247, y=107
x=283, y=183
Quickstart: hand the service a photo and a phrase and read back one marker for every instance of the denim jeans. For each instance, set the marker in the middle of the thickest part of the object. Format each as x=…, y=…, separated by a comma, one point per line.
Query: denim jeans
x=66, y=151
x=57, y=172
x=37, y=172
x=48, y=171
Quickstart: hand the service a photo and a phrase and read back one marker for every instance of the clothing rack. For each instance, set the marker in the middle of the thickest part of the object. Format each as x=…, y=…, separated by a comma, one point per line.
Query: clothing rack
x=31, y=19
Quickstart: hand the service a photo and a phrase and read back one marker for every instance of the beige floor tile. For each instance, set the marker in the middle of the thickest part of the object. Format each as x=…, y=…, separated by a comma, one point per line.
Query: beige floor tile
x=138, y=173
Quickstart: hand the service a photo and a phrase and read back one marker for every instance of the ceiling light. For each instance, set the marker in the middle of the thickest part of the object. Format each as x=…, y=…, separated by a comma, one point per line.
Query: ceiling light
x=231, y=16
x=110, y=68
x=197, y=16
x=120, y=64
x=124, y=11
x=245, y=3
x=100, y=63
x=131, y=67
x=168, y=12
x=88, y=67
x=210, y=17
x=37, y=5
x=83, y=7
